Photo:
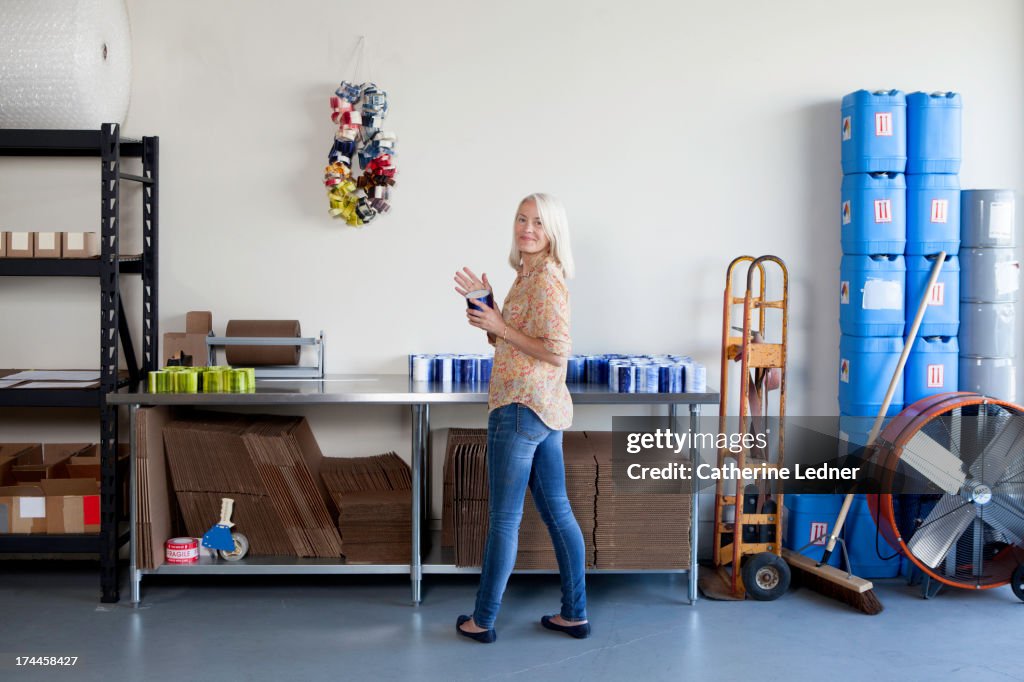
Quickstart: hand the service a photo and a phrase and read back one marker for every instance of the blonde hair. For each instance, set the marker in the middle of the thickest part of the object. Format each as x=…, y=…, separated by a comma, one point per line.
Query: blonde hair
x=556, y=226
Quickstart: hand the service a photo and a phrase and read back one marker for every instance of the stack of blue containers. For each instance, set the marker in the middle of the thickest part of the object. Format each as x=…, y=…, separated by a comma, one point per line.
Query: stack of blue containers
x=933, y=225
x=900, y=208
x=873, y=273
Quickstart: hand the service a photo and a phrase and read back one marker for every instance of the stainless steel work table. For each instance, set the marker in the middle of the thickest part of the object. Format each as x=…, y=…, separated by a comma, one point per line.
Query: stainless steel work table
x=381, y=389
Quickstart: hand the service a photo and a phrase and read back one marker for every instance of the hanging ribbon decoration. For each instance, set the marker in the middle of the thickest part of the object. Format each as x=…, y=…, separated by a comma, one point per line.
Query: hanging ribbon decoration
x=359, y=111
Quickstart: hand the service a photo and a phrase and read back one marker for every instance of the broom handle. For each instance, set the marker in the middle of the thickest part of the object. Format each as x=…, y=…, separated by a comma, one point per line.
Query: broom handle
x=922, y=307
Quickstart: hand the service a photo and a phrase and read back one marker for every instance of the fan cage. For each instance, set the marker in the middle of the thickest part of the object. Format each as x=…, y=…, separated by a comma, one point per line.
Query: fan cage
x=982, y=556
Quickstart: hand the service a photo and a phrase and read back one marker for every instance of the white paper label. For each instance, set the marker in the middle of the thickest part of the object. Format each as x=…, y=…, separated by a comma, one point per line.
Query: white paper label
x=940, y=209
x=1007, y=277
x=937, y=296
x=47, y=241
x=32, y=507
x=76, y=241
x=844, y=370
x=935, y=376
x=883, y=294
x=19, y=241
x=883, y=124
x=846, y=212
x=844, y=293
x=847, y=129
x=883, y=210
x=1000, y=220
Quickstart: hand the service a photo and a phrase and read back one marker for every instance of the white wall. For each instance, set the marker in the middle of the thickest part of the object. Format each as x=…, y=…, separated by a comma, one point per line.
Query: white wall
x=679, y=134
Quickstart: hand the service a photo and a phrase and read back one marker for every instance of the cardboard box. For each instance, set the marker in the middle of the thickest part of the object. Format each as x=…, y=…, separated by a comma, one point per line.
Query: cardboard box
x=22, y=509
x=72, y=506
x=199, y=322
x=10, y=452
x=80, y=244
x=192, y=345
x=49, y=461
x=47, y=244
x=20, y=245
x=85, y=464
x=3, y=244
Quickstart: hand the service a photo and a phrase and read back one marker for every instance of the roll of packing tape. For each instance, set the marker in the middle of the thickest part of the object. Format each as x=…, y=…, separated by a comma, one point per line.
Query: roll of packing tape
x=186, y=382
x=213, y=380
x=259, y=356
x=159, y=381
x=240, y=381
x=182, y=551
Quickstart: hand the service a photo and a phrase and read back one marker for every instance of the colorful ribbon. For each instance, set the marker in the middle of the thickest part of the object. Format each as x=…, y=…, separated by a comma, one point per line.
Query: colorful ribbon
x=359, y=111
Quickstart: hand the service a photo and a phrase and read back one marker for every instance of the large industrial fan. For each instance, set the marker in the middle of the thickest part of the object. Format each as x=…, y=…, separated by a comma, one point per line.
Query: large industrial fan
x=952, y=483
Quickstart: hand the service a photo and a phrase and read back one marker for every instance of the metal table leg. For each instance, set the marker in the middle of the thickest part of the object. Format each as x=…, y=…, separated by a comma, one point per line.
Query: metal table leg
x=694, y=508
x=416, y=561
x=134, y=577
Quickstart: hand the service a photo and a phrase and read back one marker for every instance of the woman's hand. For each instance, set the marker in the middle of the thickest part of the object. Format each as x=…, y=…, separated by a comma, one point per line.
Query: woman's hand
x=486, y=318
x=466, y=282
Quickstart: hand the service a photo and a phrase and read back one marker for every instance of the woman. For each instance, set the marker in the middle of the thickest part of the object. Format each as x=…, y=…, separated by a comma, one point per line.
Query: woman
x=529, y=408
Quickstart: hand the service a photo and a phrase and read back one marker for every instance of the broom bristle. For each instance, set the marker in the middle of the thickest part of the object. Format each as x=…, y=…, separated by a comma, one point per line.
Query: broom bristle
x=865, y=602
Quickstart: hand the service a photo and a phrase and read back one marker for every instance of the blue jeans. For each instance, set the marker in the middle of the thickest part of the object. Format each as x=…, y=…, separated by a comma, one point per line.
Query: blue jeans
x=521, y=451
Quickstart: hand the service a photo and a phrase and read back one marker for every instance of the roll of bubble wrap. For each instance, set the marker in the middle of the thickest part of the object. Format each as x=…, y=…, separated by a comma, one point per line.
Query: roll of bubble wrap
x=64, y=63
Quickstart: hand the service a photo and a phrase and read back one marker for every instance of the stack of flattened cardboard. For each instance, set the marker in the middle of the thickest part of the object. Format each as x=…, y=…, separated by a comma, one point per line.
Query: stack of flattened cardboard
x=465, y=508
x=374, y=499
x=646, y=527
x=154, y=520
x=535, y=545
x=457, y=438
x=269, y=465
x=469, y=502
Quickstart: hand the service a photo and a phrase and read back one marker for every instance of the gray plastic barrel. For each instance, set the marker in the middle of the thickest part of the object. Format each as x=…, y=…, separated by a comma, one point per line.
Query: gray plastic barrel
x=989, y=275
x=995, y=377
x=987, y=218
x=987, y=330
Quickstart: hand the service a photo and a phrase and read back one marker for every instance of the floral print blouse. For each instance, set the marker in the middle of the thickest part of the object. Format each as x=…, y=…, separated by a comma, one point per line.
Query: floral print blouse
x=538, y=306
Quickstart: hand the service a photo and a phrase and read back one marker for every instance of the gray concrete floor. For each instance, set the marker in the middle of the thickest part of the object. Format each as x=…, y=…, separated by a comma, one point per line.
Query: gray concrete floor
x=362, y=627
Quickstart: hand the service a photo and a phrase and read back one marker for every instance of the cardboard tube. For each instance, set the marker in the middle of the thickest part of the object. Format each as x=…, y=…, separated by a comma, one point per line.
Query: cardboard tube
x=258, y=356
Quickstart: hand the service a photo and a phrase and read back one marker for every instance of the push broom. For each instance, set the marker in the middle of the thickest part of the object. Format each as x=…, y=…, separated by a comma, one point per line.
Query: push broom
x=819, y=576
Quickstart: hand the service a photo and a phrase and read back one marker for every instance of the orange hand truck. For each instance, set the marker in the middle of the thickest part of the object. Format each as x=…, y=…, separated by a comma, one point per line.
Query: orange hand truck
x=748, y=520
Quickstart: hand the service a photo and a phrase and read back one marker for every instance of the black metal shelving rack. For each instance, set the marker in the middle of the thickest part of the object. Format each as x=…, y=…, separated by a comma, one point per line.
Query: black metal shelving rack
x=105, y=143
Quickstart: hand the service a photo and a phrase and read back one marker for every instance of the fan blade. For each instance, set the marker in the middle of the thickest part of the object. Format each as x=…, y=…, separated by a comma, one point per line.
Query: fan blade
x=941, y=529
x=993, y=461
x=1002, y=515
x=935, y=462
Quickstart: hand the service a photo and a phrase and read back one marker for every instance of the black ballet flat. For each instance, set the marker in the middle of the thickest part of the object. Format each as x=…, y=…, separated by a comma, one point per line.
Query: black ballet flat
x=580, y=631
x=485, y=637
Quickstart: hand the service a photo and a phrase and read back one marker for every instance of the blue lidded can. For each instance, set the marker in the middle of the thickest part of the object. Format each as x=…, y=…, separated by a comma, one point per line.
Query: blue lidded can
x=468, y=369
x=626, y=379
x=479, y=296
x=575, y=369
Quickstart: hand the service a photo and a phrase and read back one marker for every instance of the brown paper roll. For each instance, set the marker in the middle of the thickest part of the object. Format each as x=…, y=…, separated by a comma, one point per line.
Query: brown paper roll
x=258, y=356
